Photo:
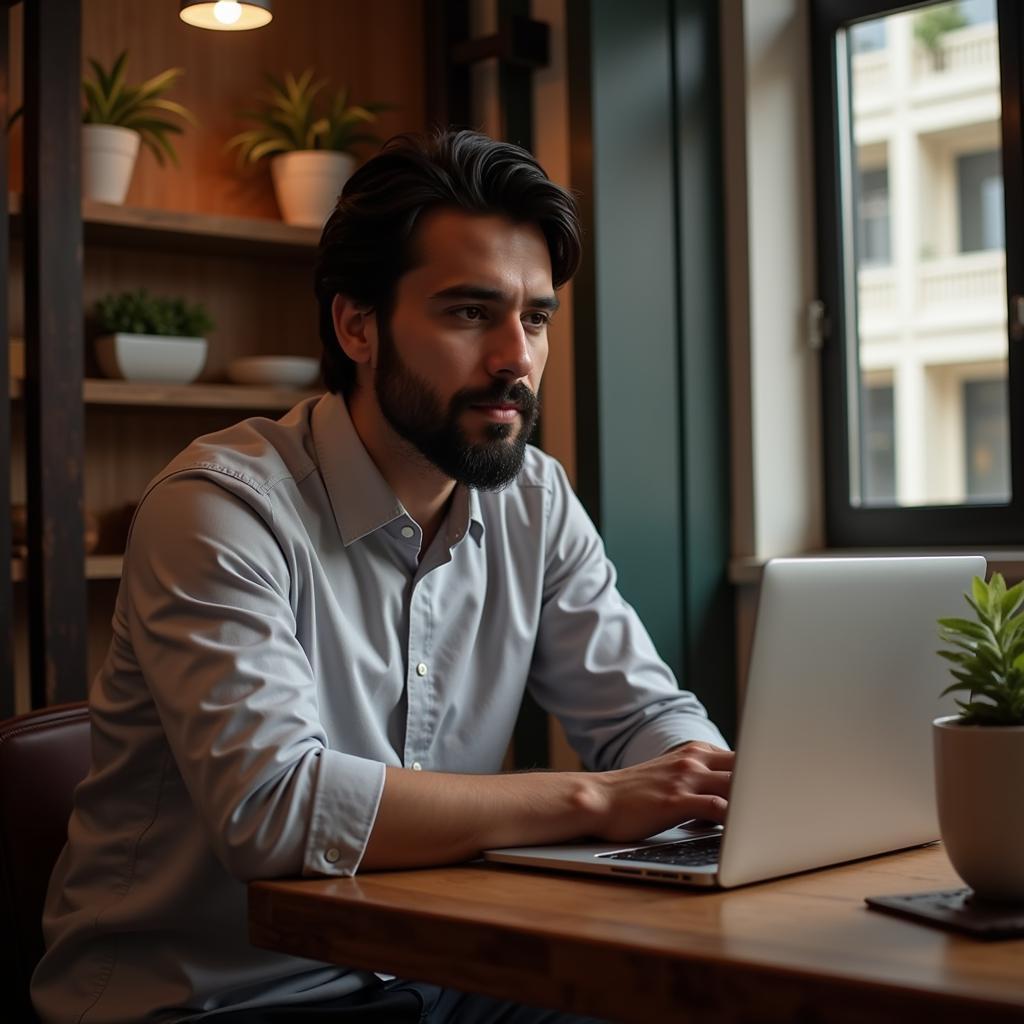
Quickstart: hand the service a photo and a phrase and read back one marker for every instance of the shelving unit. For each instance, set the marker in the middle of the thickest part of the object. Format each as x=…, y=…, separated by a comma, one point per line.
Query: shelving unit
x=186, y=396
x=97, y=567
x=200, y=230
x=175, y=231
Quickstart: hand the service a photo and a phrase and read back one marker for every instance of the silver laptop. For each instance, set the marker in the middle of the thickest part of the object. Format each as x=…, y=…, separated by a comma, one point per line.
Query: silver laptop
x=834, y=759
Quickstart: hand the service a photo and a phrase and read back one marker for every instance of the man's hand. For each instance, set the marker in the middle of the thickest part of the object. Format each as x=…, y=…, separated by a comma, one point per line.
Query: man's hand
x=438, y=818
x=691, y=781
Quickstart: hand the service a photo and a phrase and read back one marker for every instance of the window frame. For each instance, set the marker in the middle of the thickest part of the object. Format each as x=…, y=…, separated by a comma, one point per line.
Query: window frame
x=847, y=525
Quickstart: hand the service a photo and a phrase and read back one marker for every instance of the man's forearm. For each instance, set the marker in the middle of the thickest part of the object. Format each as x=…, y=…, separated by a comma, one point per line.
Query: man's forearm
x=435, y=818
x=438, y=818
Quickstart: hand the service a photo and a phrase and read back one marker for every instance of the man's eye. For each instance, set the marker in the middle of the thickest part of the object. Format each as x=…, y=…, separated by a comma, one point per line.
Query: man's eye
x=469, y=312
x=537, y=319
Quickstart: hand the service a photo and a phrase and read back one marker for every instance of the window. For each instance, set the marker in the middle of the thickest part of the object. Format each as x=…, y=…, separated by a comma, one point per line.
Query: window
x=987, y=469
x=880, y=444
x=873, y=218
x=916, y=266
x=980, y=187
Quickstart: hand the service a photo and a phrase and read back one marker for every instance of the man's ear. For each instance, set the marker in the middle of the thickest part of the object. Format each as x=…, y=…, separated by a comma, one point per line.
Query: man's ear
x=355, y=327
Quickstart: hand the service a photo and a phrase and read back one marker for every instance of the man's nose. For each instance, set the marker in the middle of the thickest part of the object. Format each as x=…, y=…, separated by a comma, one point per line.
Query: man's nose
x=511, y=352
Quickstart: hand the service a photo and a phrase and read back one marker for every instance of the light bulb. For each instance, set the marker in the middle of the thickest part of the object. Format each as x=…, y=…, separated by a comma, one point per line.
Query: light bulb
x=227, y=12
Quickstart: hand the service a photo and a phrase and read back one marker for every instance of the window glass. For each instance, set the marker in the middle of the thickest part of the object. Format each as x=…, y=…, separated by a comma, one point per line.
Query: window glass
x=985, y=425
x=923, y=216
x=880, y=444
x=873, y=217
x=980, y=186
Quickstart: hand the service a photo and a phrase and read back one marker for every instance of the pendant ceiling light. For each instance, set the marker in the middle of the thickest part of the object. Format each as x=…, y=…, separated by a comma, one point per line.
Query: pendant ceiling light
x=226, y=15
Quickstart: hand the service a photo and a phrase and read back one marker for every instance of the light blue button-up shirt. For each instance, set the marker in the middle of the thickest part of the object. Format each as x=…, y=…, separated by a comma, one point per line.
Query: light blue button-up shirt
x=277, y=641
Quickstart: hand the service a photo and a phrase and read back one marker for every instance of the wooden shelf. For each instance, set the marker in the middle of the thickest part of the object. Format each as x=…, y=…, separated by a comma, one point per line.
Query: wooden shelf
x=96, y=391
x=209, y=234
x=97, y=567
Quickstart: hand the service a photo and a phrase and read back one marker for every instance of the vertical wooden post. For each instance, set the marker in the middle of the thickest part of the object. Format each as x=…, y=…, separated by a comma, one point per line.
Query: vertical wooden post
x=6, y=598
x=54, y=420
x=447, y=86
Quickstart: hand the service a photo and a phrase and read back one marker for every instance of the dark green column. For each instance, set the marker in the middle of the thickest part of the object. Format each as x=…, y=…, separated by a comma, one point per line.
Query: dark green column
x=651, y=351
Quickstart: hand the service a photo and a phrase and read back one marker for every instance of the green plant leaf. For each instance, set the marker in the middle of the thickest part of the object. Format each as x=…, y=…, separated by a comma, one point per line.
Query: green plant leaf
x=971, y=629
x=109, y=100
x=298, y=115
x=170, y=107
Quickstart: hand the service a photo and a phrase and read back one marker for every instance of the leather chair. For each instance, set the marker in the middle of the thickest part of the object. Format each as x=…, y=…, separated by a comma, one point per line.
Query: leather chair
x=43, y=757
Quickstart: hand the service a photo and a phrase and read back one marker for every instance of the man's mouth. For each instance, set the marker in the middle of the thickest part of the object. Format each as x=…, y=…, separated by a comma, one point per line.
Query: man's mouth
x=503, y=412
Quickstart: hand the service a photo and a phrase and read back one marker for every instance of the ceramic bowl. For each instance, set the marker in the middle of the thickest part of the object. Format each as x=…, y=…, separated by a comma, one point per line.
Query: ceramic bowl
x=276, y=371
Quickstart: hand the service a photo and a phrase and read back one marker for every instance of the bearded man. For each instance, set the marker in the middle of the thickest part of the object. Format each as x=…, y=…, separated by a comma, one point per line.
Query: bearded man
x=326, y=625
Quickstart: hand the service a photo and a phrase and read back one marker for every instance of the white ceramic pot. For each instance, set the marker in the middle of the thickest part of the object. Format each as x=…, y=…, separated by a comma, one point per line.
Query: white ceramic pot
x=108, y=159
x=307, y=184
x=979, y=774
x=151, y=357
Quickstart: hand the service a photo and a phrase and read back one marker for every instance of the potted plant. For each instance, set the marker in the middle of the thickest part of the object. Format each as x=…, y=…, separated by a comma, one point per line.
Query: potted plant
x=932, y=25
x=979, y=753
x=310, y=144
x=144, y=337
x=117, y=119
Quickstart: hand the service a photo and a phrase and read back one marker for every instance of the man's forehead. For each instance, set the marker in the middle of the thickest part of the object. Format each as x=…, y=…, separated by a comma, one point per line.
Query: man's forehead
x=487, y=248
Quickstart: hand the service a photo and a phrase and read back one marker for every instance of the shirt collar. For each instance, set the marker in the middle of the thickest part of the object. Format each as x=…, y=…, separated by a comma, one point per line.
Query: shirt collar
x=361, y=499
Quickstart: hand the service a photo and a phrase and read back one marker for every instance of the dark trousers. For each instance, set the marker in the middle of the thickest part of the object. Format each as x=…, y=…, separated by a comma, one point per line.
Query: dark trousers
x=403, y=1002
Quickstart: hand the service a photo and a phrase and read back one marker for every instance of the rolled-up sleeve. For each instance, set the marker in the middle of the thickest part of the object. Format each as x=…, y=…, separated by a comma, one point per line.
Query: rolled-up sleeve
x=213, y=630
x=595, y=666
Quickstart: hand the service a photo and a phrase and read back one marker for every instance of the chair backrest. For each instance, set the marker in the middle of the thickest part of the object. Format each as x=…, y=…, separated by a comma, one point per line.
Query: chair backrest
x=43, y=757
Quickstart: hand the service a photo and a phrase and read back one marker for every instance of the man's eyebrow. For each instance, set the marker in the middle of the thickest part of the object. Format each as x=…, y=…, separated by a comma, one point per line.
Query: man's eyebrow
x=479, y=293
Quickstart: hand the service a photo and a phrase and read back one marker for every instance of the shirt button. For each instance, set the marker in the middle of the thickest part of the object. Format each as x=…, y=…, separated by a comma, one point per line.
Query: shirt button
x=421, y=669
x=416, y=766
x=407, y=532
x=333, y=855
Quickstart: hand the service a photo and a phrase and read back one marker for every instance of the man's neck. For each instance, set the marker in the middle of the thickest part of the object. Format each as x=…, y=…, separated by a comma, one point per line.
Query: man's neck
x=424, y=491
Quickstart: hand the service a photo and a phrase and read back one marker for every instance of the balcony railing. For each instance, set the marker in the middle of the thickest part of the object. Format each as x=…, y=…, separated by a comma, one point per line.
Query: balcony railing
x=974, y=50
x=877, y=295
x=968, y=286
x=967, y=279
x=872, y=75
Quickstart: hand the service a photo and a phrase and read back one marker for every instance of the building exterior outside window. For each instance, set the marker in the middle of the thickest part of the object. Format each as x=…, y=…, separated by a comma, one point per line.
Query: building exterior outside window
x=931, y=343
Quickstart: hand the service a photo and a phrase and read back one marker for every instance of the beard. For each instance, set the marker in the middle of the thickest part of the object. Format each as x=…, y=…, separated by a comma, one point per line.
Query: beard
x=418, y=415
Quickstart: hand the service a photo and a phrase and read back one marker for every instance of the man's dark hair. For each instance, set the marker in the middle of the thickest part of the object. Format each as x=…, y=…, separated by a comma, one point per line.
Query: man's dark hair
x=366, y=244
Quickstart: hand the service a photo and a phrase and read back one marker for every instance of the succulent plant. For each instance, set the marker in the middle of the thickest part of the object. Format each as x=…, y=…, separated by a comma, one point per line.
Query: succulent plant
x=988, y=660
x=138, y=312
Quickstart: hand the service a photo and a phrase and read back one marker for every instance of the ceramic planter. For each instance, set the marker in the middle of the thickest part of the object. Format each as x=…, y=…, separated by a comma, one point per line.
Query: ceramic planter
x=108, y=159
x=151, y=357
x=978, y=774
x=307, y=183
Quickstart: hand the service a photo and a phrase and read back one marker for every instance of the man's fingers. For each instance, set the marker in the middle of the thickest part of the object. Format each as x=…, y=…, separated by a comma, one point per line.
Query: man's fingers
x=720, y=760
x=713, y=757
x=714, y=783
x=705, y=807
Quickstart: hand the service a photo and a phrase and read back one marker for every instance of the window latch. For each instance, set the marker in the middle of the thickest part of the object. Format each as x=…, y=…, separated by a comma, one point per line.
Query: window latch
x=816, y=324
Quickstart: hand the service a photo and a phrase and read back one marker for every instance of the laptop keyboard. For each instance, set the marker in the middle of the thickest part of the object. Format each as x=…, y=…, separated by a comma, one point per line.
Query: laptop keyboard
x=688, y=853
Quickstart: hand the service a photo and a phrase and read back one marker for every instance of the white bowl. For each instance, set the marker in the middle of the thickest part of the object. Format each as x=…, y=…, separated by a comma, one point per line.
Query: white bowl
x=278, y=371
x=151, y=357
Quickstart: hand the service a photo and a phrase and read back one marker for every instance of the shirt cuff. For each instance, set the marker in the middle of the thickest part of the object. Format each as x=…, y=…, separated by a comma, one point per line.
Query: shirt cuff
x=348, y=792
x=660, y=737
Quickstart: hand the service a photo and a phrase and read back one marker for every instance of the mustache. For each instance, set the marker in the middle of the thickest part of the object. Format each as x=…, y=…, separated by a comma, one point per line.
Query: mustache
x=517, y=394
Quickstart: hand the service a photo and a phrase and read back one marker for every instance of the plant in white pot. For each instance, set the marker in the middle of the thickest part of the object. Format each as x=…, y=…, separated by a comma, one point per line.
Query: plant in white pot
x=309, y=143
x=979, y=753
x=147, y=338
x=118, y=118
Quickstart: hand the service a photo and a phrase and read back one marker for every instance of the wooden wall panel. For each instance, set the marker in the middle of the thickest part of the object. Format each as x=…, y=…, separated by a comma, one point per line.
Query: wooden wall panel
x=374, y=48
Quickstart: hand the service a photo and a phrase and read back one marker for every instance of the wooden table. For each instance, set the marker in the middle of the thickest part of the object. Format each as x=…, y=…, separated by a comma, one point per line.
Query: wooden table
x=799, y=949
